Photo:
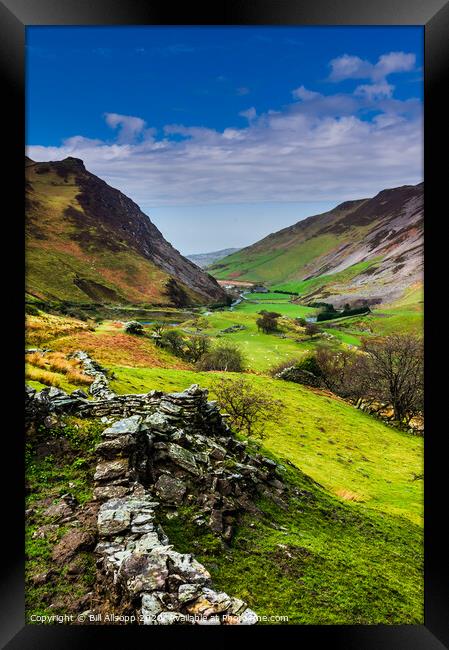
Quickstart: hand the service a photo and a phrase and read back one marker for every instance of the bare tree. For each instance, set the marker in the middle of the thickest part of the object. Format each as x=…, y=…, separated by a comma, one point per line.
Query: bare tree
x=396, y=373
x=248, y=407
x=335, y=367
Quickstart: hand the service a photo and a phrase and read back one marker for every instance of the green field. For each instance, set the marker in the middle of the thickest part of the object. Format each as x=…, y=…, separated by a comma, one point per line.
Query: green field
x=282, y=307
x=270, y=296
x=262, y=351
x=319, y=562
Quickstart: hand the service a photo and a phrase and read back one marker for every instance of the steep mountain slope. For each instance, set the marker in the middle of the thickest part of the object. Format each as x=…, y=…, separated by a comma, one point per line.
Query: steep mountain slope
x=205, y=259
x=370, y=249
x=86, y=241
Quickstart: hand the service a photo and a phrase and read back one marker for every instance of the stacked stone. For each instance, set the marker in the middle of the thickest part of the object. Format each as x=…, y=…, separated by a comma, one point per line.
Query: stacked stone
x=299, y=376
x=99, y=388
x=120, y=406
x=183, y=452
x=135, y=560
x=52, y=400
x=115, y=476
x=162, y=586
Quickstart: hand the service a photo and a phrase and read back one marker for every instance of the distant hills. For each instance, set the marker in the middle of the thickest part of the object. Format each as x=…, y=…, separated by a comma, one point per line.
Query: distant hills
x=88, y=242
x=364, y=250
x=204, y=260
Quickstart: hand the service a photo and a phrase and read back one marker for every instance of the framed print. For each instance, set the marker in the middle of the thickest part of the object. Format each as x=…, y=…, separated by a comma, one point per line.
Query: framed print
x=227, y=364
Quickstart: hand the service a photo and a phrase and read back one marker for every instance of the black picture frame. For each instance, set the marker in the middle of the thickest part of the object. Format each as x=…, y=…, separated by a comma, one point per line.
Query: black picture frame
x=15, y=16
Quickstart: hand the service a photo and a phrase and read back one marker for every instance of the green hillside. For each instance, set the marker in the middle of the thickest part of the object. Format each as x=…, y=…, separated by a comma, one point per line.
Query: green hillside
x=88, y=242
x=369, y=249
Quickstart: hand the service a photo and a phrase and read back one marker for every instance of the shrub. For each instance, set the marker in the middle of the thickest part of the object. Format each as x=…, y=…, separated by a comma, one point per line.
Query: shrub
x=268, y=321
x=305, y=371
x=133, y=327
x=247, y=406
x=173, y=341
x=226, y=357
x=195, y=347
x=312, y=329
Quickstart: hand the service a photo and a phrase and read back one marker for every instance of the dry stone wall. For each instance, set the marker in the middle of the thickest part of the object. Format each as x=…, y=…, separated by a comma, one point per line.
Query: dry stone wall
x=161, y=452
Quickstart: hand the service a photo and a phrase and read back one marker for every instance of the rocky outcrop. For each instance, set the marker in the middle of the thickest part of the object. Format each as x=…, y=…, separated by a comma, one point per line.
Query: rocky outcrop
x=184, y=452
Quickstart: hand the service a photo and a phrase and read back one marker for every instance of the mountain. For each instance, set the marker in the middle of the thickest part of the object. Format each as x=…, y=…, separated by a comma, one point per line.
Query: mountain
x=369, y=249
x=88, y=242
x=206, y=259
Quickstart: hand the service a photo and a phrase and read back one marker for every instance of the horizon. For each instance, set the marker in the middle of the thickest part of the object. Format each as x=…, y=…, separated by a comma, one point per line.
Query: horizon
x=249, y=130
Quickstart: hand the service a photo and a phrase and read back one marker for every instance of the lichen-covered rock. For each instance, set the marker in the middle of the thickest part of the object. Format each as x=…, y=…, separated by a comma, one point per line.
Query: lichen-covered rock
x=142, y=572
x=183, y=457
x=114, y=446
x=185, y=565
x=108, y=470
x=170, y=489
x=126, y=426
x=210, y=602
x=111, y=522
x=151, y=607
x=106, y=492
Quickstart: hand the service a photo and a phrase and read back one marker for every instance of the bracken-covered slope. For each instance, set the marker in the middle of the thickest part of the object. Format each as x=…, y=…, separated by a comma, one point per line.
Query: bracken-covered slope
x=370, y=249
x=86, y=241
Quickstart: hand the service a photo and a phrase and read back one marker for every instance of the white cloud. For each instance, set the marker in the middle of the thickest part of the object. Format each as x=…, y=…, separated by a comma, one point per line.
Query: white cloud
x=129, y=126
x=375, y=91
x=250, y=114
x=353, y=67
x=394, y=62
x=304, y=94
x=320, y=148
x=349, y=67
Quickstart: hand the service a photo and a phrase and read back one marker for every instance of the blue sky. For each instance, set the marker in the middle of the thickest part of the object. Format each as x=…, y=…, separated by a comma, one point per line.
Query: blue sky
x=223, y=135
